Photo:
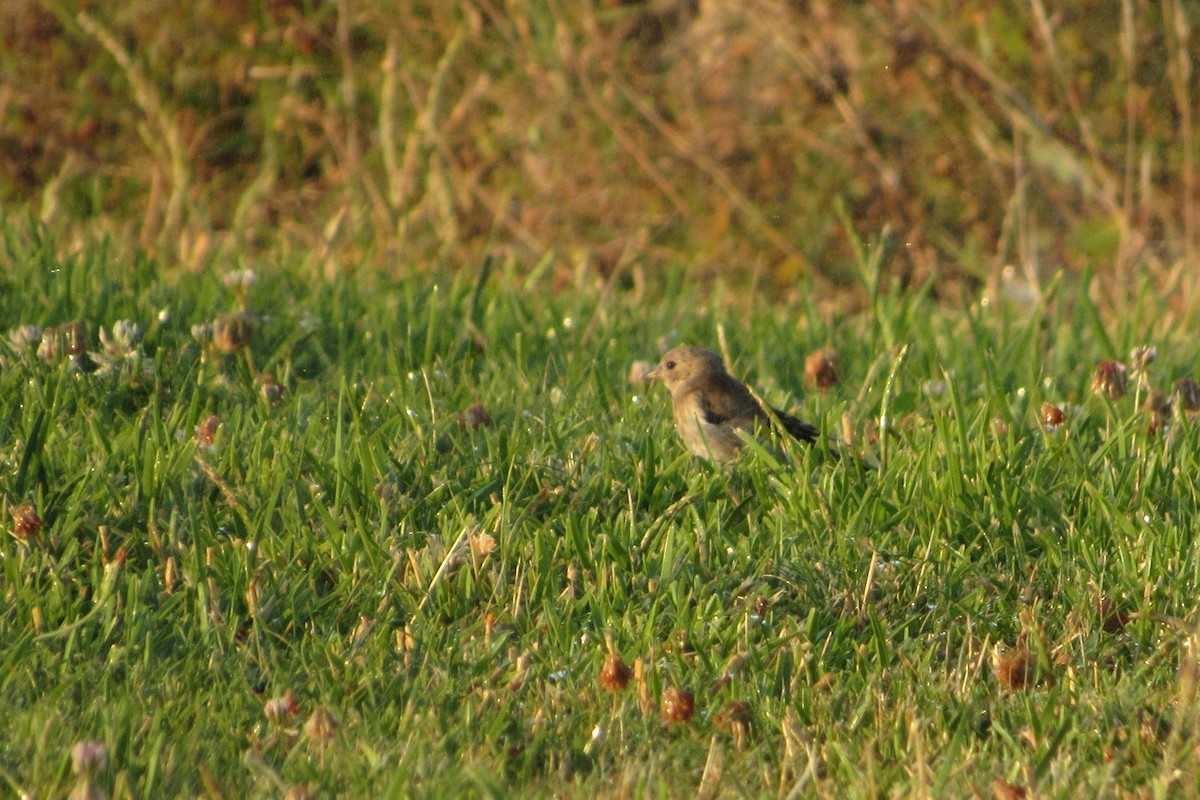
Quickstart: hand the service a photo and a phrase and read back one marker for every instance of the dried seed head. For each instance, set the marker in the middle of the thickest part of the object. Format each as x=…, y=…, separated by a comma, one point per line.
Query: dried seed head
x=872, y=432
x=26, y=522
x=1112, y=618
x=482, y=545
x=203, y=332
x=52, y=345
x=321, y=726
x=821, y=369
x=240, y=280
x=1110, y=379
x=1052, y=417
x=233, y=332
x=279, y=710
x=1142, y=357
x=615, y=674
x=206, y=431
x=677, y=705
x=1187, y=394
x=25, y=337
x=122, y=340
x=271, y=389
x=1158, y=408
x=1014, y=668
x=475, y=417
x=734, y=719
x=88, y=758
x=1003, y=790
x=734, y=666
x=75, y=335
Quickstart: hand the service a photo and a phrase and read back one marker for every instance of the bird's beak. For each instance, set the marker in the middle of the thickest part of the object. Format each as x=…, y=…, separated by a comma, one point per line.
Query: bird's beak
x=654, y=374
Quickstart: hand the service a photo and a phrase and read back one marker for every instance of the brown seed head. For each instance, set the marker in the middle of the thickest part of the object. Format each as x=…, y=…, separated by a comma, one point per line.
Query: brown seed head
x=1158, y=408
x=75, y=336
x=26, y=522
x=271, y=389
x=677, y=705
x=1052, y=416
x=1110, y=379
x=821, y=369
x=233, y=332
x=321, y=726
x=1187, y=394
x=279, y=710
x=733, y=718
x=1014, y=668
x=1113, y=619
x=206, y=431
x=615, y=673
x=1003, y=790
x=475, y=417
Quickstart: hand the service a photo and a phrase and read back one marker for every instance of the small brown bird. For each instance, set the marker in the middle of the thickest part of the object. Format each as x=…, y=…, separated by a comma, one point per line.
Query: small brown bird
x=712, y=408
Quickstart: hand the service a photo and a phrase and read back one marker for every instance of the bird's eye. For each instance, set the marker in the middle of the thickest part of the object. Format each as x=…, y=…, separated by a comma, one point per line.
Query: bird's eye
x=670, y=365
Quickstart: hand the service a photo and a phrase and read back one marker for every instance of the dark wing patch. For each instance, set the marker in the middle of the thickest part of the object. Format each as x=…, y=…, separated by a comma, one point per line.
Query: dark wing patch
x=710, y=414
x=728, y=400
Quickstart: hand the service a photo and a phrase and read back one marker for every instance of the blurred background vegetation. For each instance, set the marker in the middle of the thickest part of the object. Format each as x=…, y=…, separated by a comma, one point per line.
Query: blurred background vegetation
x=601, y=138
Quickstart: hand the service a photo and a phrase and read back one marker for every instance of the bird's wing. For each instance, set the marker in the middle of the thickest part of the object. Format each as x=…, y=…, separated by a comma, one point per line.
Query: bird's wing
x=725, y=400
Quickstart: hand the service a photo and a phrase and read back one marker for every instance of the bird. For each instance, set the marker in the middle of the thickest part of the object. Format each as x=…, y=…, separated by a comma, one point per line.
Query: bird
x=713, y=409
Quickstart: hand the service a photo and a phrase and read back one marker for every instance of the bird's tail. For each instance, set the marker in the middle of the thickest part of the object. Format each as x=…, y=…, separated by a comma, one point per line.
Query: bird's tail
x=799, y=429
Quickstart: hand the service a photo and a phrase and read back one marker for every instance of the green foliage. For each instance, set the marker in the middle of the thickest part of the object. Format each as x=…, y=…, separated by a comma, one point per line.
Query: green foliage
x=449, y=592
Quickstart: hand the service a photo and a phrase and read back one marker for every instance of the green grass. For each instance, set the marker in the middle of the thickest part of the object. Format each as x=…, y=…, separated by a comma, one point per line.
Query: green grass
x=447, y=592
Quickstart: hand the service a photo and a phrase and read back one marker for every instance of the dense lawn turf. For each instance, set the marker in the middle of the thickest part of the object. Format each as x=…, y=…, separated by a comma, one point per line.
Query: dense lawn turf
x=248, y=554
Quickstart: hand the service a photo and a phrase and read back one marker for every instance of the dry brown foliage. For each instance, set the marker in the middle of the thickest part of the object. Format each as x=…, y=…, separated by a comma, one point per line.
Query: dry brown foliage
x=617, y=135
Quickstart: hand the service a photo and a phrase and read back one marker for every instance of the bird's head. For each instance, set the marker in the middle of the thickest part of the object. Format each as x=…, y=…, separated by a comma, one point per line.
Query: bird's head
x=683, y=363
